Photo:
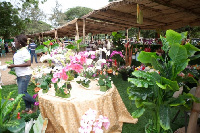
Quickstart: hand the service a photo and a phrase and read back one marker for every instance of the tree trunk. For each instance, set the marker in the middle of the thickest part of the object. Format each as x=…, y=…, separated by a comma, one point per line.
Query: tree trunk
x=194, y=112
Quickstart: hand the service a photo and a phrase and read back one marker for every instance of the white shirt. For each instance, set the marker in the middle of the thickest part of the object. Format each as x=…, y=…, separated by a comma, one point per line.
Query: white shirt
x=20, y=57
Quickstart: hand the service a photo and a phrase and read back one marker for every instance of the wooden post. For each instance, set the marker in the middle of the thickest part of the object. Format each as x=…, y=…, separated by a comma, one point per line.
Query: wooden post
x=192, y=126
x=42, y=37
x=77, y=34
x=84, y=31
x=39, y=39
x=56, y=35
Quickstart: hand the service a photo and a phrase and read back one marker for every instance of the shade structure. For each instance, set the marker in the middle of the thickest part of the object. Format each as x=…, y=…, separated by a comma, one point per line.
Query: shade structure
x=157, y=14
x=122, y=15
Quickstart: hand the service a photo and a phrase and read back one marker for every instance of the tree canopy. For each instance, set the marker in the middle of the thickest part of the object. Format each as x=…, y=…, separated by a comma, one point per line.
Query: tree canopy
x=10, y=23
x=76, y=12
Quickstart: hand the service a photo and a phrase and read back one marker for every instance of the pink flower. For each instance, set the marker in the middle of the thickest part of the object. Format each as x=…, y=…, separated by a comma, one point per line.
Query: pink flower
x=54, y=80
x=93, y=56
x=35, y=95
x=36, y=103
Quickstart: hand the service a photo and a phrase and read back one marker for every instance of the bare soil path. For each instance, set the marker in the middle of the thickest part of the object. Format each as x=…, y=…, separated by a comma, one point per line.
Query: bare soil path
x=7, y=78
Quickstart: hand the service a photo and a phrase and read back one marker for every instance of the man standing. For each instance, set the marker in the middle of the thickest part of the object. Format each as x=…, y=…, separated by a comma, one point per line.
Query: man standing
x=32, y=47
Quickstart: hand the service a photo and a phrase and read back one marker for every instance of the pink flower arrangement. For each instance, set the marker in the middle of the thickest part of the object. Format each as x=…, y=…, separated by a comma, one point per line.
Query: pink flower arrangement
x=90, y=123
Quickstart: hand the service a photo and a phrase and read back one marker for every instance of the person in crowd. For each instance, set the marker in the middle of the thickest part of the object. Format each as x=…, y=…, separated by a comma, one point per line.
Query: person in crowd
x=6, y=47
x=13, y=47
x=21, y=64
x=32, y=47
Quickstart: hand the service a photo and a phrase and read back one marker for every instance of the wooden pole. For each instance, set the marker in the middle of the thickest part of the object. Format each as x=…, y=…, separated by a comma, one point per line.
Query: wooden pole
x=56, y=35
x=42, y=37
x=84, y=31
x=192, y=126
x=77, y=34
x=39, y=39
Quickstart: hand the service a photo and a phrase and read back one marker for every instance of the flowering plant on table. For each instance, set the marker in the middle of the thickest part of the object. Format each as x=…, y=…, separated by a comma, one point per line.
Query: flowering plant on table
x=104, y=82
x=89, y=123
x=41, y=77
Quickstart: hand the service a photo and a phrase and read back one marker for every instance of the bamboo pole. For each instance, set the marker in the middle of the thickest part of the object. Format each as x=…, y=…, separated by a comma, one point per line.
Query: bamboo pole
x=192, y=126
x=84, y=31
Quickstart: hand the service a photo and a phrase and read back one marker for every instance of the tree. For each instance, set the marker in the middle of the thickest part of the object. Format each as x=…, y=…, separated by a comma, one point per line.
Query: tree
x=76, y=12
x=57, y=18
x=10, y=23
x=36, y=17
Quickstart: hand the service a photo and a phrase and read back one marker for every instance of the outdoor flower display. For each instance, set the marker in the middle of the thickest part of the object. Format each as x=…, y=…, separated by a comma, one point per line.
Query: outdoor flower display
x=89, y=122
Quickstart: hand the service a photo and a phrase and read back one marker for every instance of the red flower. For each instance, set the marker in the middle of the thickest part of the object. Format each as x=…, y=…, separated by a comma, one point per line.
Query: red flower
x=18, y=116
x=50, y=43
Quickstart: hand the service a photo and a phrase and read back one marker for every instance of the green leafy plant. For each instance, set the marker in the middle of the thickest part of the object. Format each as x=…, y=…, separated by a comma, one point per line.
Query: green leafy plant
x=8, y=112
x=104, y=81
x=85, y=82
x=154, y=91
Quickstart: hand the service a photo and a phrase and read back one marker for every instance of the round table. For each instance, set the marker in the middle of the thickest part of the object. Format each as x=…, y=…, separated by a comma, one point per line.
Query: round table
x=64, y=114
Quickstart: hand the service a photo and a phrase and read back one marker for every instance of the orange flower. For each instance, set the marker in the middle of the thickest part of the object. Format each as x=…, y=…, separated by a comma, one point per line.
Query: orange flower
x=37, y=89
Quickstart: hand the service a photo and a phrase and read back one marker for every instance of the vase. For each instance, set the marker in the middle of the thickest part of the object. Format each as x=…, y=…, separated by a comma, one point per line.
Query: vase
x=124, y=76
x=103, y=88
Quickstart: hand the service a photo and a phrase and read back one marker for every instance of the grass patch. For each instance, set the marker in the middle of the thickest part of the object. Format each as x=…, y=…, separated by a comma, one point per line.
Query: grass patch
x=122, y=88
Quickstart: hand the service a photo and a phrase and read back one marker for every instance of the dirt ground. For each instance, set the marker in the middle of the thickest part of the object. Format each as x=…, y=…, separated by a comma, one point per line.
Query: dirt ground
x=8, y=79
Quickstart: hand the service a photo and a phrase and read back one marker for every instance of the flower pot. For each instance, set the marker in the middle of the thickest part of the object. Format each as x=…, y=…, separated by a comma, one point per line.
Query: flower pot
x=103, y=88
x=124, y=76
x=45, y=90
x=63, y=95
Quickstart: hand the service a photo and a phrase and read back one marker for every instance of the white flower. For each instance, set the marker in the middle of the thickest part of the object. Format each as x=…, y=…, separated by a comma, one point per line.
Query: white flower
x=89, y=61
x=61, y=83
x=0, y=87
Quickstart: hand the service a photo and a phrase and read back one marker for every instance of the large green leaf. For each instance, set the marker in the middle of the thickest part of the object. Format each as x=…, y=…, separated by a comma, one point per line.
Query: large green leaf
x=194, y=57
x=176, y=101
x=140, y=82
x=190, y=49
x=47, y=42
x=136, y=93
x=178, y=55
x=145, y=57
x=156, y=65
x=172, y=85
x=138, y=103
x=164, y=117
x=139, y=112
x=9, y=106
x=173, y=37
x=18, y=128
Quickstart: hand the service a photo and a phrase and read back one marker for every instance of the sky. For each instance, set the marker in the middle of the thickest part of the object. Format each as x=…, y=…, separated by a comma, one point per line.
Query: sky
x=65, y=4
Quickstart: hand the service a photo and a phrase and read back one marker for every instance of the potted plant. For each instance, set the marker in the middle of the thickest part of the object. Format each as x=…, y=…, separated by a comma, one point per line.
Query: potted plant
x=154, y=91
x=104, y=82
x=125, y=72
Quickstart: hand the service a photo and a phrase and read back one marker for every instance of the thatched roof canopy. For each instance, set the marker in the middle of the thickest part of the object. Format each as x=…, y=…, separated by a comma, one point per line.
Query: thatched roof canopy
x=157, y=14
x=121, y=15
